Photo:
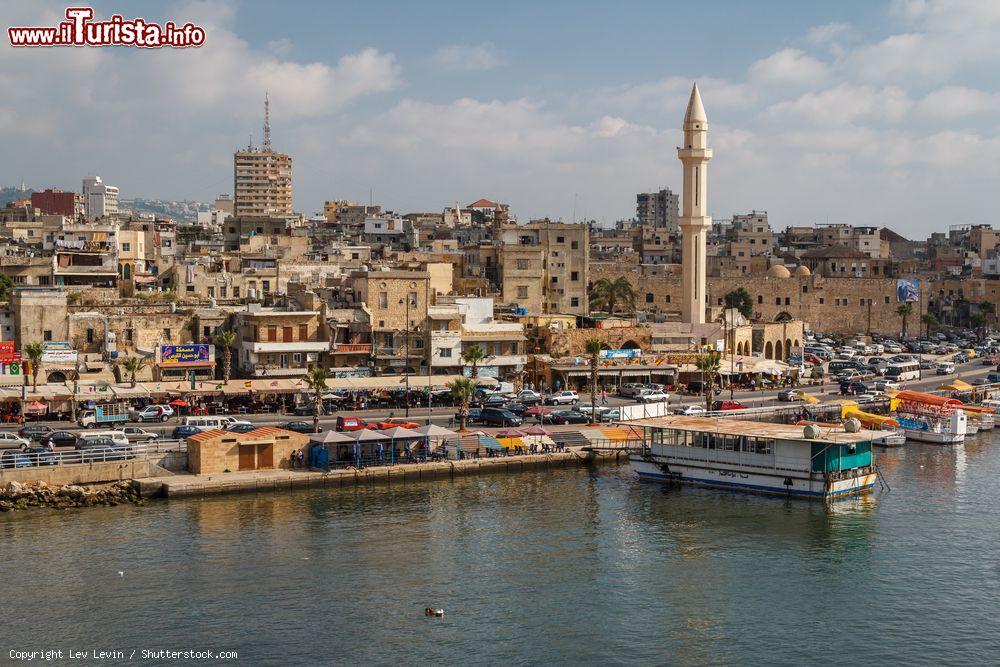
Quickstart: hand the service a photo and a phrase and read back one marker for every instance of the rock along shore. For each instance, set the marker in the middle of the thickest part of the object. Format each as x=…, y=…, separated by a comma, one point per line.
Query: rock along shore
x=20, y=496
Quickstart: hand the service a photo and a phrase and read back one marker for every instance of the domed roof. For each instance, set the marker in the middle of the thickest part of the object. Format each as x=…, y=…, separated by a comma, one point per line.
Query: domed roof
x=779, y=271
x=802, y=270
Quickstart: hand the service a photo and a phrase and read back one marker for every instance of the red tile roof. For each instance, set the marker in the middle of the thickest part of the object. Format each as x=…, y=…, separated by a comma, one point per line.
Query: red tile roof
x=206, y=435
x=482, y=203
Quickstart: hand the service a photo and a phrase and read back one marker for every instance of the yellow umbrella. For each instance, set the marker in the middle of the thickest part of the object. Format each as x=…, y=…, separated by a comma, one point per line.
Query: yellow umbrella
x=808, y=398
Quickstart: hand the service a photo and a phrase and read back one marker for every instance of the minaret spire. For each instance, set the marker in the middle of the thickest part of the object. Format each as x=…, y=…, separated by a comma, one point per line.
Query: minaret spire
x=694, y=221
x=267, y=123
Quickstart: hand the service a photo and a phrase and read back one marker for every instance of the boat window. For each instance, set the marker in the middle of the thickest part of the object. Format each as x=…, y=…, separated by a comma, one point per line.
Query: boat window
x=728, y=446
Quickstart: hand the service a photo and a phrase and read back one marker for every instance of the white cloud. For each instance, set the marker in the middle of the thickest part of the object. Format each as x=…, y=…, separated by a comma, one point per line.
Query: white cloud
x=788, y=66
x=958, y=101
x=841, y=105
x=467, y=57
x=831, y=33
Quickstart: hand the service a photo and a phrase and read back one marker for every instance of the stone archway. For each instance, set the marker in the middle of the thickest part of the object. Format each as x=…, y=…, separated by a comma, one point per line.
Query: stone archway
x=630, y=345
x=788, y=346
x=127, y=272
x=768, y=351
x=778, y=352
x=784, y=316
x=56, y=376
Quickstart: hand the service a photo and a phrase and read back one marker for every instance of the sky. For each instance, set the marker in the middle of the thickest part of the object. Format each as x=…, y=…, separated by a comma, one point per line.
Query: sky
x=856, y=112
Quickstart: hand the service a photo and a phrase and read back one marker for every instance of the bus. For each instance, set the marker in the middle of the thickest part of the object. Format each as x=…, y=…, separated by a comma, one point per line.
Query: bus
x=906, y=370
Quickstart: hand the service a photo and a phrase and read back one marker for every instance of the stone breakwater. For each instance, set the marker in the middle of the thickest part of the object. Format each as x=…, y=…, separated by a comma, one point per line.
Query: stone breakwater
x=19, y=496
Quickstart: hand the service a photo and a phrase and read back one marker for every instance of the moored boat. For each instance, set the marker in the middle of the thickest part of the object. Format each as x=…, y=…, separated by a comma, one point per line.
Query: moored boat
x=758, y=457
x=930, y=418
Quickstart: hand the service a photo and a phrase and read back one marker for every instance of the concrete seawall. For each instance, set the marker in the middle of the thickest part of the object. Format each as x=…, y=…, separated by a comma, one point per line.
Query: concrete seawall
x=78, y=473
x=259, y=481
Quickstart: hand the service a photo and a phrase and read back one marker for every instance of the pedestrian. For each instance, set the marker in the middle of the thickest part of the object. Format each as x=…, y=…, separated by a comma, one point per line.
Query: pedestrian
x=604, y=396
x=301, y=458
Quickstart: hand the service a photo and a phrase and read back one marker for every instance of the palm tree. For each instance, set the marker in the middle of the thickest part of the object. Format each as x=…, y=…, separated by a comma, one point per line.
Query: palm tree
x=904, y=310
x=315, y=379
x=978, y=322
x=607, y=295
x=34, y=352
x=929, y=322
x=224, y=340
x=709, y=365
x=132, y=366
x=593, y=347
x=462, y=390
x=472, y=356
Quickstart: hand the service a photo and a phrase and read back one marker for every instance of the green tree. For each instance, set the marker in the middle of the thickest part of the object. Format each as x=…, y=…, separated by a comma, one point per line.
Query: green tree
x=472, y=356
x=224, y=340
x=607, y=295
x=740, y=299
x=930, y=323
x=315, y=379
x=462, y=390
x=988, y=310
x=593, y=348
x=904, y=310
x=6, y=287
x=34, y=352
x=709, y=365
x=132, y=366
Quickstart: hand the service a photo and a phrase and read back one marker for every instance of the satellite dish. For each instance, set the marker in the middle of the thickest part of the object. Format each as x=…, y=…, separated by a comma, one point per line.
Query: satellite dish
x=811, y=431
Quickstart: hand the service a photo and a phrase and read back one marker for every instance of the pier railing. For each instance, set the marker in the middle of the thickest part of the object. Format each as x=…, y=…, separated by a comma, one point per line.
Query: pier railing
x=19, y=459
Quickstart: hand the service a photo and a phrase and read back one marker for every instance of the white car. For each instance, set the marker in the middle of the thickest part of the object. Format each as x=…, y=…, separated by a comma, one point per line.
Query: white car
x=563, y=398
x=652, y=397
x=12, y=440
x=528, y=396
x=846, y=352
x=155, y=413
x=690, y=410
x=136, y=434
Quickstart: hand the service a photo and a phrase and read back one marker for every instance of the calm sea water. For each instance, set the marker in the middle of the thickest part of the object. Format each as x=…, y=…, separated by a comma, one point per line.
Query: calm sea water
x=568, y=566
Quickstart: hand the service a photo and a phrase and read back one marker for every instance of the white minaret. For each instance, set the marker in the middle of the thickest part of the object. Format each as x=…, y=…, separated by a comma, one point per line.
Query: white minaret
x=694, y=221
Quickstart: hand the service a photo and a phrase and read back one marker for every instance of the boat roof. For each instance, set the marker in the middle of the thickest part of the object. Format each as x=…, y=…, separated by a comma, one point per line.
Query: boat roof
x=753, y=429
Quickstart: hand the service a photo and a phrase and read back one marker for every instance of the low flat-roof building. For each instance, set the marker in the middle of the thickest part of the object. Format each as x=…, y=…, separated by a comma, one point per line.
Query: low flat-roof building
x=264, y=448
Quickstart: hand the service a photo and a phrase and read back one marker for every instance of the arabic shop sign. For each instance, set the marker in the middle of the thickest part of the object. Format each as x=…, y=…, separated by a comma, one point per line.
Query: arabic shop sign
x=186, y=354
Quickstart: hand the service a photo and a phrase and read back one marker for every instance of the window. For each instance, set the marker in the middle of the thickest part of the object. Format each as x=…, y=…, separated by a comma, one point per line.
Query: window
x=649, y=297
x=575, y=245
x=272, y=334
x=805, y=289
x=522, y=292
x=206, y=331
x=574, y=302
x=862, y=302
x=760, y=298
x=297, y=358
x=286, y=334
x=574, y=275
x=90, y=335
x=822, y=301
x=126, y=247
x=413, y=299
x=47, y=335
x=128, y=335
x=560, y=239
x=444, y=352
x=522, y=264
x=222, y=291
x=668, y=298
x=267, y=285
x=236, y=292
x=788, y=301
x=211, y=291
x=166, y=334
x=189, y=289
x=303, y=332
x=887, y=299
x=777, y=300
x=383, y=299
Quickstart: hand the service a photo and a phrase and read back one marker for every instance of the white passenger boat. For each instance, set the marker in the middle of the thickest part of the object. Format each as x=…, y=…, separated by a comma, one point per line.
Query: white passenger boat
x=930, y=418
x=808, y=461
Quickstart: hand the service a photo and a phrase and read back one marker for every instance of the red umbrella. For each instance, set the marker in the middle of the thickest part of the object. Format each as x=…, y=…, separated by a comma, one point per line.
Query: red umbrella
x=536, y=411
x=536, y=430
x=509, y=433
x=179, y=403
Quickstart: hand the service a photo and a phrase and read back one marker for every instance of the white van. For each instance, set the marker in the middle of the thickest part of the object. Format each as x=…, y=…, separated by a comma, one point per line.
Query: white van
x=117, y=437
x=208, y=423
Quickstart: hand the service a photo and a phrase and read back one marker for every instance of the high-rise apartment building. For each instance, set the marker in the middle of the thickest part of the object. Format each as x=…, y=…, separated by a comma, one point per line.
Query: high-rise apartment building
x=657, y=209
x=262, y=180
x=99, y=199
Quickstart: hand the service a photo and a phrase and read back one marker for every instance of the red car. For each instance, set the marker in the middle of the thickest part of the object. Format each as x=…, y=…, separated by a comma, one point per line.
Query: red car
x=393, y=422
x=728, y=405
x=353, y=424
x=811, y=359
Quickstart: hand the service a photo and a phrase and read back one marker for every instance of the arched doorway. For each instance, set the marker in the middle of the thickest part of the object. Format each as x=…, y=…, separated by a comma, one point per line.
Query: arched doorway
x=127, y=272
x=56, y=376
x=783, y=316
x=768, y=351
x=777, y=351
x=788, y=346
x=630, y=345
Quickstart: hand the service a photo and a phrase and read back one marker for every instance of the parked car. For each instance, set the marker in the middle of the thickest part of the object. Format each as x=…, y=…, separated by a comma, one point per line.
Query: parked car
x=691, y=410
x=15, y=458
x=182, y=431
x=927, y=365
x=59, y=439
x=34, y=431
x=515, y=407
x=499, y=417
x=352, y=423
x=978, y=382
x=494, y=401
x=882, y=385
x=696, y=387
x=10, y=440
x=393, y=422
x=789, y=395
x=960, y=358
x=631, y=389
x=854, y=388
x=529, y=397
x=475, y=416
x=562, y=398
x=155, y=413
x=102, y=449
x=653, y=397
x=298, y=427
x=241, y=427
x=598, y=410
x=811, y=358
x=136, y=434
x=945, y=368
x=727, y=405
x=569, y=417
x=41, y=456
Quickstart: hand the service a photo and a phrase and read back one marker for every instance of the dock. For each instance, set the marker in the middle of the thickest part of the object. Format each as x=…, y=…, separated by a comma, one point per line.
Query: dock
x=269, y=481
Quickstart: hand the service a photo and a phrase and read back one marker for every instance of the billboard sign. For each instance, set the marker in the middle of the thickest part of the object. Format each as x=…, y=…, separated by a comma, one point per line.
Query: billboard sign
x=186, y=354
x=8, y=352
x=908, y=290
x=620, y=354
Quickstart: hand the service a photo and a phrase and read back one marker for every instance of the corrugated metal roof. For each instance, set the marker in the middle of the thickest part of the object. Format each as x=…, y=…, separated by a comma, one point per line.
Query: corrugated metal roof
x=751, y=428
